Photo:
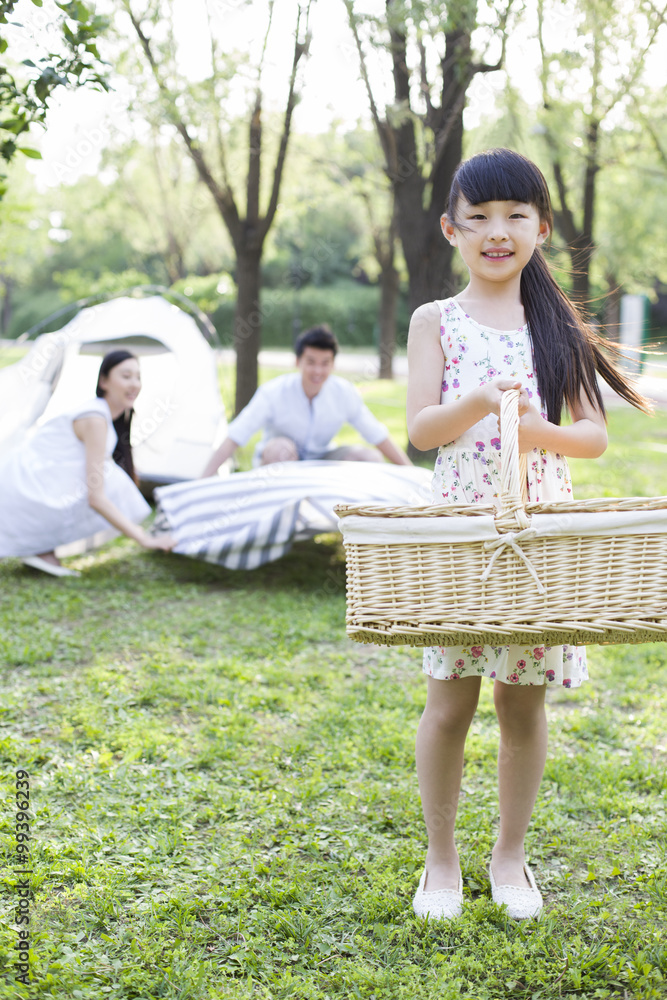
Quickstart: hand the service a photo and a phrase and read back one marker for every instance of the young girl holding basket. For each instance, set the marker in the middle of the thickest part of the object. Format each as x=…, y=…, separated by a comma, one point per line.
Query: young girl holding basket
x=511, y=328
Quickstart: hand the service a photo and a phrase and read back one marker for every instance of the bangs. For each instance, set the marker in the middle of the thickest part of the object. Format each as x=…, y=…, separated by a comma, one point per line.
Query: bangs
x=500, y=175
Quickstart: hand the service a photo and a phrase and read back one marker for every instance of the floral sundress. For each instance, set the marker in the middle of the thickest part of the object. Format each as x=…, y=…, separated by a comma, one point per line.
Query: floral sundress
x=468, y=471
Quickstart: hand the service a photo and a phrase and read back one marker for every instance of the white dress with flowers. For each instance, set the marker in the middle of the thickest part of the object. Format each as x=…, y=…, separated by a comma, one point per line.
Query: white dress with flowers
x=468, y=470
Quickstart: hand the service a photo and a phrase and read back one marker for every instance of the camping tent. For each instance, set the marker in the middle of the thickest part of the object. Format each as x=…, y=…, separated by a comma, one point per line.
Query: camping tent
x=179, y=415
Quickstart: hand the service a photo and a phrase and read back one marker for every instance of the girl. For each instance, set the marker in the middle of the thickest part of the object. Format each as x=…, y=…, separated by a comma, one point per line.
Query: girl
x=511, y=328
x=63, y=486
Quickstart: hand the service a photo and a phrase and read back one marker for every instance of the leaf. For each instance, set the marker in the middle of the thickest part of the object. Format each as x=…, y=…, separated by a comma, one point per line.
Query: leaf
x=33, y=154
x=13, y=124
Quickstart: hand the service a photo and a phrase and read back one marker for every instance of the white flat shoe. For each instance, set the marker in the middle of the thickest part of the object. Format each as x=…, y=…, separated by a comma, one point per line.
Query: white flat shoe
x=441, y=904
x=36, y=562
x=521, y=902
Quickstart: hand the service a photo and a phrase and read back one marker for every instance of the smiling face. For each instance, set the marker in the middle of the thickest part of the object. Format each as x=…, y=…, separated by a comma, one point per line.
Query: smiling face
x=495, y=238
x=316, y=365
x=121, y=386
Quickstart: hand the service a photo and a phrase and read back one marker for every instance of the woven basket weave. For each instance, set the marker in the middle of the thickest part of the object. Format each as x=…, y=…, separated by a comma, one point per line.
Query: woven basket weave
x=578, y=572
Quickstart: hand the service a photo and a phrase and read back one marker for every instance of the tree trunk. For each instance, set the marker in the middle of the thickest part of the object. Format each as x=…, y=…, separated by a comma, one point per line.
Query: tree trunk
x=389, y=285
x=432, y=275
x=428, y=256
x=7, y=303
x=583, y=248
x=247, y=324
x=612, y=307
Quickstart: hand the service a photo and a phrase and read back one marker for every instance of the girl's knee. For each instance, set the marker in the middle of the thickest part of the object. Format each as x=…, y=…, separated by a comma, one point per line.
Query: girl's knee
x=451, y=705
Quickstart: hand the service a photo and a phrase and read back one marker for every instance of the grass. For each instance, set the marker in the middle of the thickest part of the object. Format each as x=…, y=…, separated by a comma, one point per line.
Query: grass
x=224, y=800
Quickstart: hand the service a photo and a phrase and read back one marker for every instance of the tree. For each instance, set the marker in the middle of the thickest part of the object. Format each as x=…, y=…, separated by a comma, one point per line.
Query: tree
x=76, y=64
x=605, y=59
x=199, y=115
x=159, y=197
x=23, y=240
x=358, y=169
x=422, y=135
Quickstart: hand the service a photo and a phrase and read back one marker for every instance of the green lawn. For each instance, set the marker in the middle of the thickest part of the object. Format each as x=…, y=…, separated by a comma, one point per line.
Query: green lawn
x=224, y=799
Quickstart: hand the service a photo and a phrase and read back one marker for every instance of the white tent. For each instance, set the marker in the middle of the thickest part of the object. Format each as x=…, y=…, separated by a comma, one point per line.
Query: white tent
x=179, y=416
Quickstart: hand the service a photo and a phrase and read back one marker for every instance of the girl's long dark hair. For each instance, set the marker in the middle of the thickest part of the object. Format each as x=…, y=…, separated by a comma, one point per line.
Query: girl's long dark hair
x=567, y=351
x=122, y=454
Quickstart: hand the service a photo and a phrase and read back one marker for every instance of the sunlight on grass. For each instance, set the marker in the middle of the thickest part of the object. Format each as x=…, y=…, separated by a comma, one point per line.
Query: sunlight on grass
x=225, y=803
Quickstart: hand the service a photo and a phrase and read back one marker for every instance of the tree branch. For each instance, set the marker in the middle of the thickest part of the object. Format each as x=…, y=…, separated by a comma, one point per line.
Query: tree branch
x=254, y=161
x=568, y=224
x=638, y=62
x=300, y=49
x=223, y=196
x=425, y=87
x=385, y=134
x=219, y=138
x=648, y=125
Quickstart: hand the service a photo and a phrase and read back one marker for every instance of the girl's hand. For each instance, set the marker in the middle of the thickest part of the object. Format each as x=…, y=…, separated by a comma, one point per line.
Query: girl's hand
x=531, y=428
x=494, y=390
x=163, y=543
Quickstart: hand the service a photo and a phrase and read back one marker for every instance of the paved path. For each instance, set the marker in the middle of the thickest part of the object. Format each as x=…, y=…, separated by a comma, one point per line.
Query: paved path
x=366, y=367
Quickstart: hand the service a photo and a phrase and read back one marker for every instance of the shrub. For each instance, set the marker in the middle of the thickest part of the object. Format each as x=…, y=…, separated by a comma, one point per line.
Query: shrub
x=350, y=309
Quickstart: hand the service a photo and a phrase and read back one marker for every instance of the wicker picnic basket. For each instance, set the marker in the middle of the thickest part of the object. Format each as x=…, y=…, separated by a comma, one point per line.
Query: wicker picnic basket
x=580, y=572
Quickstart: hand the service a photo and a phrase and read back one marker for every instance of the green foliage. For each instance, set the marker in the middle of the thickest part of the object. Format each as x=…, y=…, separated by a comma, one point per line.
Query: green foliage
x=350, y=309
x=321, y=232
x=32, y=307
x=206, y=291
x=226, y=806
x=167, y=214
x=74, y=285
x=631, y=196
x=76, y=64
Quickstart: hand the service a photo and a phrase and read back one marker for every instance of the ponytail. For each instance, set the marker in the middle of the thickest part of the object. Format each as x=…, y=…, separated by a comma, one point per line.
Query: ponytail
x=568, y=354
x=122, y=453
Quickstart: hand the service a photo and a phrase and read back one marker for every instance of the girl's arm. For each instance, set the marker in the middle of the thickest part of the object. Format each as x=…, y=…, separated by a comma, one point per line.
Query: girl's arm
x=429, y=423
x=585, y=437
x=92, y=431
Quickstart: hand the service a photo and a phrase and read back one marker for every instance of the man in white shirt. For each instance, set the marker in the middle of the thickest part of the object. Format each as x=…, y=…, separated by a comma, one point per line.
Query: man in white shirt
x=301, y=413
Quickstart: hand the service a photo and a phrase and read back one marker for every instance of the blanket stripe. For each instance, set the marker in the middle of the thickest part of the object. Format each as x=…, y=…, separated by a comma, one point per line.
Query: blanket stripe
x=251, y=518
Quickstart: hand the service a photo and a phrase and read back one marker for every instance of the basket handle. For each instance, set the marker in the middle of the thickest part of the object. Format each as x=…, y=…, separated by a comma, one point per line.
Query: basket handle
x=513, y=486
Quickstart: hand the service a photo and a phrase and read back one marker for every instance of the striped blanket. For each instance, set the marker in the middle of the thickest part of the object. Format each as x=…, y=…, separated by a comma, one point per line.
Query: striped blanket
x=250, y=518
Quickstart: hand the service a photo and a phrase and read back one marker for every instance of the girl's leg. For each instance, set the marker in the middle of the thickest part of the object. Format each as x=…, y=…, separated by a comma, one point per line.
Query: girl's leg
x=441, y=735
x=521, y=758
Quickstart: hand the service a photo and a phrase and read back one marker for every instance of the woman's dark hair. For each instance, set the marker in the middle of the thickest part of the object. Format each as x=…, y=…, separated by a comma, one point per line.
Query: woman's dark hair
x=567, y=351
x=122, y=454
x=318, y=336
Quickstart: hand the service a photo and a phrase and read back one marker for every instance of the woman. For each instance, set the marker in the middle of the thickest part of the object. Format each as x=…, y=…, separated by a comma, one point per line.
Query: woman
x=63, y=485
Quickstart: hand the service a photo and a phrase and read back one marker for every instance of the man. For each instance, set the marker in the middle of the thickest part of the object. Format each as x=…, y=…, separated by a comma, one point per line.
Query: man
x=301, y=413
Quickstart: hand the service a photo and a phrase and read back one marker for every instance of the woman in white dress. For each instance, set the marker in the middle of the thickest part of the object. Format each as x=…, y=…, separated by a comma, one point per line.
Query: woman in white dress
x=75, y=476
